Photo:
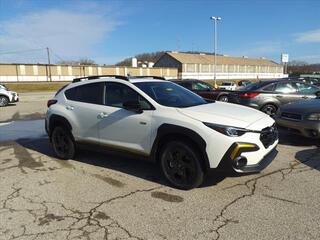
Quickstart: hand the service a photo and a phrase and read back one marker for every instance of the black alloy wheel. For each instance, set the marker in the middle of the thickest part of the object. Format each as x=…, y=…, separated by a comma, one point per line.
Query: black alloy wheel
x=180, y=165
x=63, y=143
x=223, y=98
x=269, y=109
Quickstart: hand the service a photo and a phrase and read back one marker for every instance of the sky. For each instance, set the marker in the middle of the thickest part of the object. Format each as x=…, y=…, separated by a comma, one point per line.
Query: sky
x=107, y=31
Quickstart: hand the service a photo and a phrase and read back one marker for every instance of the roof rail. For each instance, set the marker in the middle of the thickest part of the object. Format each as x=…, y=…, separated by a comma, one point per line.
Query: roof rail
x=98, y=77
x=154, y=77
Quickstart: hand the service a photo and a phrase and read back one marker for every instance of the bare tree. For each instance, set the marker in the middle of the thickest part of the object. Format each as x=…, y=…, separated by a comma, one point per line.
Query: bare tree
x=83, y=61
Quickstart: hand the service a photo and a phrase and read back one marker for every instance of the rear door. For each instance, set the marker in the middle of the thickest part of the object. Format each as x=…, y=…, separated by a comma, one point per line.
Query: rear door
x=286, y=92
x=123, y=129
x=83, y=105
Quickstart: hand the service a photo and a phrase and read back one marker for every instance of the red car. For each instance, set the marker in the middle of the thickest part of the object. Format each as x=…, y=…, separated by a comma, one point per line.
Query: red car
x=204, y=89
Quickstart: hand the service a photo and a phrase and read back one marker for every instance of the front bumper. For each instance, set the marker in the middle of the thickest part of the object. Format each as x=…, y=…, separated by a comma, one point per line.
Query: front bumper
x=15, y=98
x=236, y=160
x=310, y=129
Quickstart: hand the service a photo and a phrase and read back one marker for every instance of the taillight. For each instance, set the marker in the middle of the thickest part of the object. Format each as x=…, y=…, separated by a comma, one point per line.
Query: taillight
x=51, y=102
x=248, y=95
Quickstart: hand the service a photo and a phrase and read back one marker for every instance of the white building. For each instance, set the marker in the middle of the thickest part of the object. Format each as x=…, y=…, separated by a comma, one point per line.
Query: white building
x=200, y=66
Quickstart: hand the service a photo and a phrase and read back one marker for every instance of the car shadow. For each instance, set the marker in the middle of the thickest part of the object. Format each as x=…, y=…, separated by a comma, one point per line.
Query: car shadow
x=309, y=157
x=129, y=165
x=286, y=138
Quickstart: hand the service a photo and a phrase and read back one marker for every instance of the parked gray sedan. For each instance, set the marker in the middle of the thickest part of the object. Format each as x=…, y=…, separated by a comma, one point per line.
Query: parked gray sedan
x=269, y=96
x=302, y=118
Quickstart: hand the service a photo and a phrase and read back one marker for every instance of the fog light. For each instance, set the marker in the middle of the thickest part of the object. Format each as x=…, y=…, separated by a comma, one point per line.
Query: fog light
x=240, y=162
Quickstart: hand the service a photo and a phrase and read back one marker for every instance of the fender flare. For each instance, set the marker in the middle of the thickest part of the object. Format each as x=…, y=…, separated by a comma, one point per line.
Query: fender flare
x=166, y=131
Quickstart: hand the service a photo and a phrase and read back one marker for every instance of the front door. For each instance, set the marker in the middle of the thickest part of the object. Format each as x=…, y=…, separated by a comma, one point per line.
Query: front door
x=123, y=129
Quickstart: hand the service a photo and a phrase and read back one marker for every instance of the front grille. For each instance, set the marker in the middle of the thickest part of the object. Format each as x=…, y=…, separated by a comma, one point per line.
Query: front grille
x=268, y=136
x=291, y=116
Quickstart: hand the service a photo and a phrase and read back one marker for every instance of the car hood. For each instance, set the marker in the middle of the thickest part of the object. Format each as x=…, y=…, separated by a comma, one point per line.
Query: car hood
x=302, y=107
x=224, y=114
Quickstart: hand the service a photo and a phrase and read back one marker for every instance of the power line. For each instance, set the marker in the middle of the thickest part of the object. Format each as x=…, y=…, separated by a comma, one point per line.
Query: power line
x=20, y=51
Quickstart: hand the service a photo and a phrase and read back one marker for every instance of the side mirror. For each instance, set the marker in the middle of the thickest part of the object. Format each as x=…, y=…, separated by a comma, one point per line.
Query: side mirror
x=318, y=94
x=133, y=106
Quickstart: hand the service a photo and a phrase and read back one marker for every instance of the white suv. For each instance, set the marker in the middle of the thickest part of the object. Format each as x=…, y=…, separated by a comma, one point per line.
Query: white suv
x=7, y=96
x=162, y=121
x=228, y=86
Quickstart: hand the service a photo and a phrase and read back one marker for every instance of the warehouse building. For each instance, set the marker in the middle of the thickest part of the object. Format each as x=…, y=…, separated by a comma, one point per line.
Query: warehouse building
x=200, y=66
x=45, y=72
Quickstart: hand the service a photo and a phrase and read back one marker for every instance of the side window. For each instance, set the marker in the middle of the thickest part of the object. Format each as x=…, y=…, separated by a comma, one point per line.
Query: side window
x=286, y=87
x=200, y=86
x=306, y=89
x=186, y=85
x=88, y=93
x=269, y=88
x=117, y=94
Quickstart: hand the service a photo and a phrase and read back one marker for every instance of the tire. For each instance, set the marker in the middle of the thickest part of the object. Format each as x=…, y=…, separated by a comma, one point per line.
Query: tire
x=180, y=164
x=223, y=98
x=270, y=109
x=4, y=101
x=63, y=143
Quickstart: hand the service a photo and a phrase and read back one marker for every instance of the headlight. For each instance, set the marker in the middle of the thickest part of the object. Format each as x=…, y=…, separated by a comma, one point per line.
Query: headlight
x=313, y=117
x=227, y=130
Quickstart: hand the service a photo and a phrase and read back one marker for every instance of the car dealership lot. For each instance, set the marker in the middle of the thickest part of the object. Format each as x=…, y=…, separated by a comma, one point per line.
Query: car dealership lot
x=99, y=195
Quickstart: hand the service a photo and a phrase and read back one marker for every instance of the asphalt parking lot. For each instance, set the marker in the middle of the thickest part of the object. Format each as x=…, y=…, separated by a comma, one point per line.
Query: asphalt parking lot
x=102, y=196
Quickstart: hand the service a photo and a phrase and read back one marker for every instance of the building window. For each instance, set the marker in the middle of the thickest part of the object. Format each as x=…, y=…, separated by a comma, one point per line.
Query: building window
x=264, y=69
x=231, y=68
x=205, y=68
x=191, y=67
x=218, y=68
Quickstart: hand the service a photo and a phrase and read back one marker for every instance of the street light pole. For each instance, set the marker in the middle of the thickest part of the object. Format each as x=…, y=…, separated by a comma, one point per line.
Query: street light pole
x=215, y=20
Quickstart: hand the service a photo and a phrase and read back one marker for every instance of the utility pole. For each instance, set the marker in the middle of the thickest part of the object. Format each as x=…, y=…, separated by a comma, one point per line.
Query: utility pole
x=215, y=19
x=49, y=72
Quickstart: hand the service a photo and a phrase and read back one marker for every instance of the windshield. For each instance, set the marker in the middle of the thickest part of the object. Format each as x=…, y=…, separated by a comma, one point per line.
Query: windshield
x=3, y=87
x=170, y=94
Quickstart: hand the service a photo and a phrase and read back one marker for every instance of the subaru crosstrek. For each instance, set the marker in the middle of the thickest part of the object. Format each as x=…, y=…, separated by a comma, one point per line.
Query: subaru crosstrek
x=162, y=121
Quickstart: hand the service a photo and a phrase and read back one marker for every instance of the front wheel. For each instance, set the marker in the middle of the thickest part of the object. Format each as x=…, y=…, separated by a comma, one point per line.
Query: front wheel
x=180, y=164
x=63, y=143
x=223, y=98
x=269, y=109
x=4, y=101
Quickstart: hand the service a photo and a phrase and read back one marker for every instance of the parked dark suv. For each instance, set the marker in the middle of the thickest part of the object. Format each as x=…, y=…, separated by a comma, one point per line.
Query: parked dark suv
x=268, y=96
x=204, y=89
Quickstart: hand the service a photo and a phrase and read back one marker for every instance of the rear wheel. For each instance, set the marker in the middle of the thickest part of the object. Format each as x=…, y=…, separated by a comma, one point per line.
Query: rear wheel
x=269, y=109
x=223, y=98
x=4, y=101
x=180, y=164
x=63, y=143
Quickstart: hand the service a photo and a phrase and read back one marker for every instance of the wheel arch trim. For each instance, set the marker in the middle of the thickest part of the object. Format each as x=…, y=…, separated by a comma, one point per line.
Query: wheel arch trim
x=170, y=130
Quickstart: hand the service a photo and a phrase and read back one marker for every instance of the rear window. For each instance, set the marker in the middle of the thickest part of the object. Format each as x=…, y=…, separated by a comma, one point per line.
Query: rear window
x=89, y=93
x=61, y=89
x=255, y=86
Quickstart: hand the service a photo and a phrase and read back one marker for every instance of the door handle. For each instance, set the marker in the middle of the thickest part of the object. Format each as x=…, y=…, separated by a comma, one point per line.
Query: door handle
x=279, y=96
x=69, y=107
x=102, y=115
x=305, y=97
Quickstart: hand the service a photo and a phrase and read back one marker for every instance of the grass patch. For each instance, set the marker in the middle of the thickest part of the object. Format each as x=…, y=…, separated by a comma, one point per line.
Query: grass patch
x=36, y=86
